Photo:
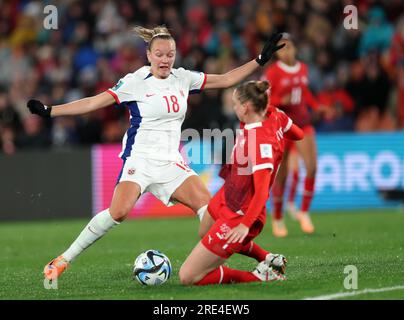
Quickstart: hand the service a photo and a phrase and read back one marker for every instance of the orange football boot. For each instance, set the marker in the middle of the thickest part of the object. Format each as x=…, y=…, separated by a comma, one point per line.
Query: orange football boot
x=305, y=222
x=55, y=268
x=279, y=229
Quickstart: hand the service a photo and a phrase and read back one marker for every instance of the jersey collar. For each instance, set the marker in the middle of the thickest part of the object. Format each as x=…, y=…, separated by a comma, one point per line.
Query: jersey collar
x=287, y=68
x=253, y=125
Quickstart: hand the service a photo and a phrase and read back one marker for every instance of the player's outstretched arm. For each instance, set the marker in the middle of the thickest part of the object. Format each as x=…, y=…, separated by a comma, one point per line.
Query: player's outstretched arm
x=231, y=78
x=72, y=108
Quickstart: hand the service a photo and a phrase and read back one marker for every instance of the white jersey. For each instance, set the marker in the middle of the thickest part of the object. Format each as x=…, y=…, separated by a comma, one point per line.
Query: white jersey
x=157, y=110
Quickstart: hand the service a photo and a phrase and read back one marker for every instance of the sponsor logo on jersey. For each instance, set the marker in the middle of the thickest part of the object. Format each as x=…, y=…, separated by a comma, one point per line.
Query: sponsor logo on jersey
x=148, y=95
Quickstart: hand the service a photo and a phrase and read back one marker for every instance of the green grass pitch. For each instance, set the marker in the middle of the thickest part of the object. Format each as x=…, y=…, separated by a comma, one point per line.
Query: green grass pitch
x=372, y=241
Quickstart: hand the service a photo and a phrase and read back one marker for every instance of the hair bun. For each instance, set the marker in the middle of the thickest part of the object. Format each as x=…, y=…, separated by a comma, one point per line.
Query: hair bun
x=262, y=86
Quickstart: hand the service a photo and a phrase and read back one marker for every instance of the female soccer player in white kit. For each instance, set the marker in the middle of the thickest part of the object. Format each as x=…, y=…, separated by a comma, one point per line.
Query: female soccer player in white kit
x=156, y=97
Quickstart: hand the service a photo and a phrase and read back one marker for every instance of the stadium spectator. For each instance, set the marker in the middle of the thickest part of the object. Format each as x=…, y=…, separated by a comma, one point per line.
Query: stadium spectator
x=397, y=69
x=337, y=98
x=374, y=88
x=9, y=124
x=34, y=135
x=378, y=33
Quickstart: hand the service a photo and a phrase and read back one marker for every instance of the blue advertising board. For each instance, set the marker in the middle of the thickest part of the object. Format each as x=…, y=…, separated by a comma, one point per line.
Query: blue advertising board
x=353, y=170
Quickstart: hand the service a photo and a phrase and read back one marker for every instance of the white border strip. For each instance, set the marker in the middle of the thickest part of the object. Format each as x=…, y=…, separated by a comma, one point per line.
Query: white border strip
x=354, y=293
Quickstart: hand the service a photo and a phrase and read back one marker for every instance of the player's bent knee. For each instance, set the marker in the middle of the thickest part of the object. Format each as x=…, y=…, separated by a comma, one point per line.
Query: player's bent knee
x=202, y=200
x=186, y=277
x=120, y=214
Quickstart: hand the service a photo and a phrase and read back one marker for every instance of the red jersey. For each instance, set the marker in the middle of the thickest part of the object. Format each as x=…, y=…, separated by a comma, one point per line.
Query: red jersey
x=258, y=146
x=293, y=81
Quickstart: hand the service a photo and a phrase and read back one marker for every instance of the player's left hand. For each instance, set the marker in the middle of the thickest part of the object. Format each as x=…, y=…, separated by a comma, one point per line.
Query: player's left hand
x=270, y=48
x=237, y=234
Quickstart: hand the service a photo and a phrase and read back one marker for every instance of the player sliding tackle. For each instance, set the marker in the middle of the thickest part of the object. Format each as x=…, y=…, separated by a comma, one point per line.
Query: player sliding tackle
x=238, y=209
x=156, y=97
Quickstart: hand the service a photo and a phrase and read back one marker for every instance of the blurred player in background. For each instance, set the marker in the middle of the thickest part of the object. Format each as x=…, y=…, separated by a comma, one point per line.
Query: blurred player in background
x=293, y=174
x=156, y=97
x=290, y=92
x=239, y=207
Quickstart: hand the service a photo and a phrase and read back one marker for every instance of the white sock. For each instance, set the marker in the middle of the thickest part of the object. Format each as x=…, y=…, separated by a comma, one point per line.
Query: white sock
x=95, y=229
x=201, y=212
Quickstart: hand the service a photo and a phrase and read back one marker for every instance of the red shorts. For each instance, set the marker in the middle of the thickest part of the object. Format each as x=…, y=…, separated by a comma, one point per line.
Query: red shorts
x=216, y=203
x=290, y=145
x=214, y=239
x=225, y=220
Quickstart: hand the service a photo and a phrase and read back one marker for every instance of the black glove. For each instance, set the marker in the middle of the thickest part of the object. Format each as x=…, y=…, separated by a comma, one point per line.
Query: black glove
x=269, y=49
x=37, y=107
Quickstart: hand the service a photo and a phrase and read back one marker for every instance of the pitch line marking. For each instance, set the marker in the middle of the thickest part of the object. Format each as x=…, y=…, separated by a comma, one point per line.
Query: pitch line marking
x=354, y=293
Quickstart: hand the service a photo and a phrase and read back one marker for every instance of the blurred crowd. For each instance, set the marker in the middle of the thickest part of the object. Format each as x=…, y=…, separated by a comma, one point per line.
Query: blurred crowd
x=357, y=72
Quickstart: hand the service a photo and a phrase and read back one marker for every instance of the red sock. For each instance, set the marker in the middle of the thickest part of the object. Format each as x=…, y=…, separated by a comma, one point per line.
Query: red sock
x=224, y=274
x=277, y=201
x=293, y=186
x=253, y=250
x=307, y=194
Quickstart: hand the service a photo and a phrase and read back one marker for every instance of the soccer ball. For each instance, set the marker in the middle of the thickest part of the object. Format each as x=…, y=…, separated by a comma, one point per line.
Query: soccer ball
x=152, y=268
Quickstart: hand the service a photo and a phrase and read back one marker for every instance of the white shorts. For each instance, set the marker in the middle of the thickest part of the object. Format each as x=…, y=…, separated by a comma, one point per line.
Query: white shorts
x=161, y=178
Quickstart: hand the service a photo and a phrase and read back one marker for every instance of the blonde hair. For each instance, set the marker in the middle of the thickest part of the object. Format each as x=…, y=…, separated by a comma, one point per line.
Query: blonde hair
x=148, y=35
x=254, y=91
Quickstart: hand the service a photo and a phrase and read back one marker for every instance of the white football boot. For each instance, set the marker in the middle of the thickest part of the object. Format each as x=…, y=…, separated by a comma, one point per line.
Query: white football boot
x=276, y=261
x=265, y=273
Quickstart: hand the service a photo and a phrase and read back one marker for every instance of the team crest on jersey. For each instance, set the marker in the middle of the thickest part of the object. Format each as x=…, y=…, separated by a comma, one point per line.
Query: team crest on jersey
x=131, y=171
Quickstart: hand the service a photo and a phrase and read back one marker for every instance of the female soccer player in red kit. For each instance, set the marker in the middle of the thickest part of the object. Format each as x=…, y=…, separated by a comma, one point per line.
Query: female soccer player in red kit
x=238, y=208
x=291, y=94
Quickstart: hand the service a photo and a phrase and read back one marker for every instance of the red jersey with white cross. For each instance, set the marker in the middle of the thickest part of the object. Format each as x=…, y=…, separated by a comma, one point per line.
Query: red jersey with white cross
x=259, y=146
x=291, y=81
